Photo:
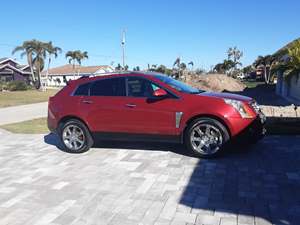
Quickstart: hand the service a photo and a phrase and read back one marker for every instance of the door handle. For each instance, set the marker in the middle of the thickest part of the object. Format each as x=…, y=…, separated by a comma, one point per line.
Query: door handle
x=87, y=101
x=130, y=105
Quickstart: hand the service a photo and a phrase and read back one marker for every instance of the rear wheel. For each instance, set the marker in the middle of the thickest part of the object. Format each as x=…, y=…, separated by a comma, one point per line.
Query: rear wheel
x=75, y=136
x=206, y=137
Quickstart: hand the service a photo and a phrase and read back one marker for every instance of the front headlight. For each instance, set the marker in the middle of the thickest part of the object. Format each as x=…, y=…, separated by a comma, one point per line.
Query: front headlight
x=240, y=107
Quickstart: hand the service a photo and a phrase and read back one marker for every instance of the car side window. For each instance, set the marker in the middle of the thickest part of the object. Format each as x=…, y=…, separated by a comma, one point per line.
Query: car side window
x=139, y=87
x=82, y=90
x=108, y=87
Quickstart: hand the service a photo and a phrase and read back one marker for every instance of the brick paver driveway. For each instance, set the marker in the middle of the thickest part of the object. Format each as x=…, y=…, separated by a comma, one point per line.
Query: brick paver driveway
x=125, y=183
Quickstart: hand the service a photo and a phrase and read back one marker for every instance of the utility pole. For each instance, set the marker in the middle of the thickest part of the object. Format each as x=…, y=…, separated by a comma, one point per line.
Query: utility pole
x=123, y=48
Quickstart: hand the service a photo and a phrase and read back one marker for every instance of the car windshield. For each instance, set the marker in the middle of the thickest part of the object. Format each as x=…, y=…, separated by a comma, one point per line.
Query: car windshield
x=178, y=85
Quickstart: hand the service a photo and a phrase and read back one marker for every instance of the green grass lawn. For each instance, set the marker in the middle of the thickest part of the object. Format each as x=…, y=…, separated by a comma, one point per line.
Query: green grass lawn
x=36, y=126
x=24, y=97
x=253, y=84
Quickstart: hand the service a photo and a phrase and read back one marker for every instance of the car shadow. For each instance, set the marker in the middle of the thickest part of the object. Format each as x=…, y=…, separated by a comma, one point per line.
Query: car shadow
x=235, y=148
x=53, y=139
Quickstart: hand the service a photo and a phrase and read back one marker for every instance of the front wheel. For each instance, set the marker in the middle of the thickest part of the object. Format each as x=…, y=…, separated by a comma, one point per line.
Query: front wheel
x=75, y=136
x=206, y=137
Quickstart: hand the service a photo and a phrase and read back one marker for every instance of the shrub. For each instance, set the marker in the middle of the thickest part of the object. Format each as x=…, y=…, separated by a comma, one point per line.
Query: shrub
x=17, y=85
x=3, y=86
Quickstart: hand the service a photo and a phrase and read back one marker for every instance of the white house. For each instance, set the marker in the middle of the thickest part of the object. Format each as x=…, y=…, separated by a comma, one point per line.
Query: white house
x=58, y=76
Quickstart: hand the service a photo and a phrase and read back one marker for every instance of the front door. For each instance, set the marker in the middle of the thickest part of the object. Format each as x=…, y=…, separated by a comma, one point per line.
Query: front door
x=145, y=115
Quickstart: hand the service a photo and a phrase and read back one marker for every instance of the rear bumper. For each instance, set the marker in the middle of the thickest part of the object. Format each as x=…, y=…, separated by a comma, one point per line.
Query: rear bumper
x=50, y=126
x=51, y=122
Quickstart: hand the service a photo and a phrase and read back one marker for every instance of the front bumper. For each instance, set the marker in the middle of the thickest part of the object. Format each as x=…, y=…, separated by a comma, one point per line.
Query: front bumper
x=255, y=131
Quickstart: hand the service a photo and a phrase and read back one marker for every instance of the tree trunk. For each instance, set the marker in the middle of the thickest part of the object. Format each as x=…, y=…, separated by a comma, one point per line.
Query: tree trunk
x=265, y=74
x=29, y=61
x=47, y=73
x=74, y=70
x=38, y=85
x=269, y=74
x=78, y=71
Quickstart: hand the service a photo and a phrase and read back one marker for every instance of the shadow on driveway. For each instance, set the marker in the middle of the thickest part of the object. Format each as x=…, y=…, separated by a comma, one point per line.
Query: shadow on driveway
x=260, y=187
x=53, y=139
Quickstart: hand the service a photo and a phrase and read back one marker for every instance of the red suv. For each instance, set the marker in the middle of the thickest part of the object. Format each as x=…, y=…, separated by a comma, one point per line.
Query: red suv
x=150, y=107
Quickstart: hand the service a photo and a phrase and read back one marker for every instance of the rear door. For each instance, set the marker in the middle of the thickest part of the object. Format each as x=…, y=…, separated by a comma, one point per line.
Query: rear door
x=104, y=106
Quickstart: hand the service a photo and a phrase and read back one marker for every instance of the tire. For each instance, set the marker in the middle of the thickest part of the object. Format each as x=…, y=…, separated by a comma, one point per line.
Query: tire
x=81, y=139
x=212, y=141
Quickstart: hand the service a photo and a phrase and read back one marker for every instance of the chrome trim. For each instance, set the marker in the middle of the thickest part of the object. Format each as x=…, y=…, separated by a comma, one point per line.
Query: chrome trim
x=130, y=105
x=178, y=116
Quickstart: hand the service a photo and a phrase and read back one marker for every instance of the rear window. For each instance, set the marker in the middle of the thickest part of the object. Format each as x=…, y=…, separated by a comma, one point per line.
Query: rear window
x=109, y=87
x=82, y=90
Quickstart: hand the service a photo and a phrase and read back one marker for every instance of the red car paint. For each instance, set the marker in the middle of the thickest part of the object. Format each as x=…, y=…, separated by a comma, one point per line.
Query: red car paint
x=138, y=115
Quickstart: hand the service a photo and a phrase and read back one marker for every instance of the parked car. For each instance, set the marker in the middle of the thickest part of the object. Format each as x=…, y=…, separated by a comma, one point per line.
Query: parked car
x=149, y=106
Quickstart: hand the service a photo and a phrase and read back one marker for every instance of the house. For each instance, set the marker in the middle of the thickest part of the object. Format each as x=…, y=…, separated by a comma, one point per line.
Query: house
x=11, y=70
x=288, y=88
x=58, y=76
x=259, y=72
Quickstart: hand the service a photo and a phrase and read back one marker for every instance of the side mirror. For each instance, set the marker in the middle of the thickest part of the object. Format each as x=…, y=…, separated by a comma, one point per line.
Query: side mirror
x=160, y=93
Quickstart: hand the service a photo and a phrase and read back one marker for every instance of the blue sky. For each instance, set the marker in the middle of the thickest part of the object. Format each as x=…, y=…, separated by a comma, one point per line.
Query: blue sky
x=158, y=31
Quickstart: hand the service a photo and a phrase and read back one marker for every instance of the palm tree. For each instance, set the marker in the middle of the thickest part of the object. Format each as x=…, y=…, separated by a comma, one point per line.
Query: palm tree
x=40, y=53
x=294, y=54
x=290, y=60
x=182, y=66
x=76, y=56
x=191, y=63
x=52, y=51
x=26, y=50
x=177, y=62
x=118, y=67
x=36, y=53
x=267, y=62
x=224, y=67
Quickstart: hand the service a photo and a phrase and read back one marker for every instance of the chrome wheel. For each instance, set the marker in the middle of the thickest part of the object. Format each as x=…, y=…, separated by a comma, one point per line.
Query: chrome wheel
x=73, y=137
x=206, y=139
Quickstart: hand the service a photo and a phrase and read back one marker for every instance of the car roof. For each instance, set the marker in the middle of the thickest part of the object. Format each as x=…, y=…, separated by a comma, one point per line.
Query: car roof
x=120, y=74
x=150, y=75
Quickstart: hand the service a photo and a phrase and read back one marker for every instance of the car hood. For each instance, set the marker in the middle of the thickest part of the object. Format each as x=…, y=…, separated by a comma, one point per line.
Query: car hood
x=226, y=95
